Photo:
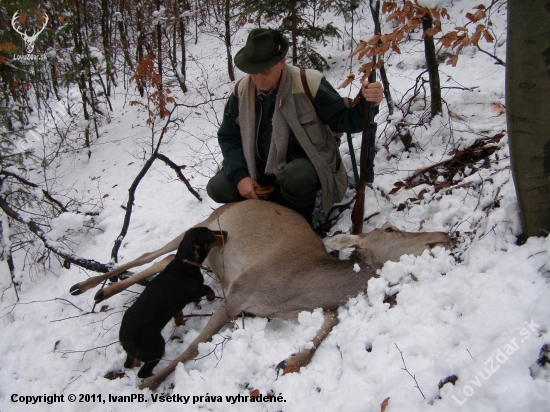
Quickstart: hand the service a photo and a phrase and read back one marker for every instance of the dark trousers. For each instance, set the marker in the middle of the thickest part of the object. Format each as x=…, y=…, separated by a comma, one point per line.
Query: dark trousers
x=295, y=187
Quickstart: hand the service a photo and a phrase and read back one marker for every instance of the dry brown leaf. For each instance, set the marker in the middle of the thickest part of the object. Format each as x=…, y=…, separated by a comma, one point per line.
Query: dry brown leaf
x=455, y=116
x=477, y=35
x=347, y=82
x=421, y=224
x=498, y=108
x=477, y=16
x=488, y=36
x=360, y=47
x=384, y=404
x=22, y=17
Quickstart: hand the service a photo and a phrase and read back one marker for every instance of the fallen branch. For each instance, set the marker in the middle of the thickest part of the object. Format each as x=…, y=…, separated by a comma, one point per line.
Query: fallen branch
x=89, y=264
x=470, y=156
x=177, y=169
x=34, y=185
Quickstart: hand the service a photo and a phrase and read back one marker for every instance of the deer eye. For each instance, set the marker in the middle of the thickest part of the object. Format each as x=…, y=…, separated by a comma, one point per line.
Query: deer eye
x=388, y=230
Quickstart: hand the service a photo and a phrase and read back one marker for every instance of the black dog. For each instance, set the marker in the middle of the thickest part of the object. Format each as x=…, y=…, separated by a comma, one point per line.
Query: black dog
x=180, y=283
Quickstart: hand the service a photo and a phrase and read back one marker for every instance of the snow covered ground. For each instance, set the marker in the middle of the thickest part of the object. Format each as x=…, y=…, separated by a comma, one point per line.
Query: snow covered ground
x=480, y=311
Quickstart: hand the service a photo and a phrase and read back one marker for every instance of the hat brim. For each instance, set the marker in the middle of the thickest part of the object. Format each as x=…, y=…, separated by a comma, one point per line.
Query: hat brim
x=255, y=68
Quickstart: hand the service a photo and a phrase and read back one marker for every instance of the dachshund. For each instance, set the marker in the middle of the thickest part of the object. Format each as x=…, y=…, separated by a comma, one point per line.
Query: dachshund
x=180, y=283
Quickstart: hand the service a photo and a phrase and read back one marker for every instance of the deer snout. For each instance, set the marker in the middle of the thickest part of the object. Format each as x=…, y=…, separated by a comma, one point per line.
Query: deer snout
x=221, y=238
x=440, y=239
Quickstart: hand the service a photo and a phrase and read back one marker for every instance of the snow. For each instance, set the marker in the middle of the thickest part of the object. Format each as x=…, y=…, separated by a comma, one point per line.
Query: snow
x=480, y=311
x=66, y=222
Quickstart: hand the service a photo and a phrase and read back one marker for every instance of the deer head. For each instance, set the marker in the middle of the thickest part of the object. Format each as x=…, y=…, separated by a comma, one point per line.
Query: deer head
x=29, y=40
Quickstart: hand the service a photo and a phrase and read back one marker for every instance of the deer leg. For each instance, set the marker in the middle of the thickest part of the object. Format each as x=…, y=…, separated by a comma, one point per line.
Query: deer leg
x=302, y=358
x=118, y=287
x=142, y=260
x=219, y=318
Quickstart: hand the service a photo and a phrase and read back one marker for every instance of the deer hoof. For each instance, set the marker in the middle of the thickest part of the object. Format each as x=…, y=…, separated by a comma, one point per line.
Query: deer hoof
x=99, y=296
x=75, y=290
x=286, y=368
x=149, y=383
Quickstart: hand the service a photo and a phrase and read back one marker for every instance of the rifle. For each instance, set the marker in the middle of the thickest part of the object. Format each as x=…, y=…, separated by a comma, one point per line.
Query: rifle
x=368, y=149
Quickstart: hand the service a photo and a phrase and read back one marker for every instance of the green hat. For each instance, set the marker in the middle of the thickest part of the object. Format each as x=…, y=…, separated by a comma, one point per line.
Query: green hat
x=264, y=49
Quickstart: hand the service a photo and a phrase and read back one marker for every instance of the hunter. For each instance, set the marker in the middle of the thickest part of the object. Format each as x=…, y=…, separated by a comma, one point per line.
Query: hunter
x=272, y=134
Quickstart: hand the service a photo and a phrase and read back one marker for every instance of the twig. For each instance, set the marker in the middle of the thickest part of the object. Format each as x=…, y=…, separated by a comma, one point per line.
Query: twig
x=66, y=352
x=213, y=351
x=70, y=317
x=410, y=374
x=51, y=300
x=498, y=61
x=74, y=380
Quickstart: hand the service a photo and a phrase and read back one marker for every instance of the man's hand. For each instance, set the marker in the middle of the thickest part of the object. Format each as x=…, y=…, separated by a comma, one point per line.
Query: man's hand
x=373, y=92
x=246, y=188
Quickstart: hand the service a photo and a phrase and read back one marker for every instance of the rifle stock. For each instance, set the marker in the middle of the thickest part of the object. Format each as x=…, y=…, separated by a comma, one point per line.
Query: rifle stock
x=368, y=149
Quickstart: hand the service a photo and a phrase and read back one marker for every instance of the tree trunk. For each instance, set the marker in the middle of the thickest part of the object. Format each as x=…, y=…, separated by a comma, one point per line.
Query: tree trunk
x=105, y=34
x=182, y=20
x=431, y=61
x=124, y=38
x=159, y=49
x=294, y=21
x=528, y=111
x=228, y=40
x=140, y=44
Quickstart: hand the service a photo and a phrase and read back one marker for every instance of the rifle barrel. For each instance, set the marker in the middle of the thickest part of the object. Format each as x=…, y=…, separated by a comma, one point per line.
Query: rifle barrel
x=366, y=173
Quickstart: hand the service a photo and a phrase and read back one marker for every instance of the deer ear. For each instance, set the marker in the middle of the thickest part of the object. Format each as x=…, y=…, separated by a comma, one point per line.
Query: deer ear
x=340, y=242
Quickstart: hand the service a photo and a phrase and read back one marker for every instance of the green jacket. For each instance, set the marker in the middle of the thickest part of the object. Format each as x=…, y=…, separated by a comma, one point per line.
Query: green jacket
x=307, y=128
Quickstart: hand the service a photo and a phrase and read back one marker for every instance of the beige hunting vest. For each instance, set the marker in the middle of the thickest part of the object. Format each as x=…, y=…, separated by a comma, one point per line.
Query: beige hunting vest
x=294, y=111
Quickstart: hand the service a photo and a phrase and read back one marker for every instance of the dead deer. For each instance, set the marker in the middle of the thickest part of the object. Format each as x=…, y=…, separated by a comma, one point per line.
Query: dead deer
x=274, y=265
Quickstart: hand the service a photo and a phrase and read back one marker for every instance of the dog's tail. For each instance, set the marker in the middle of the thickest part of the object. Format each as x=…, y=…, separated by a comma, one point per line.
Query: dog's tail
x=145, y=347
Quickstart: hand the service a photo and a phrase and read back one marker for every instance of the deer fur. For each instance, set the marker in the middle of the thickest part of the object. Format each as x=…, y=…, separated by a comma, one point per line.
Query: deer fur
x=274, y=265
